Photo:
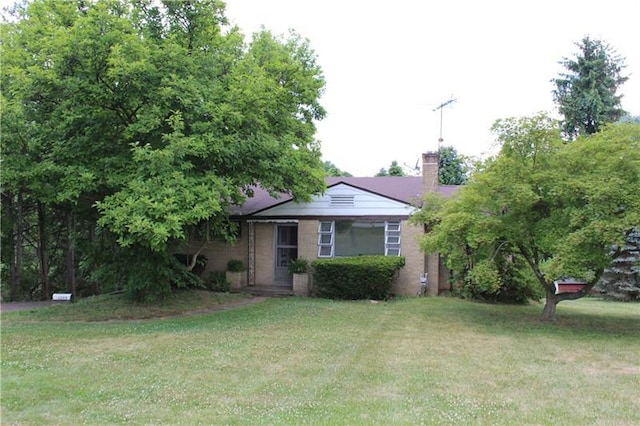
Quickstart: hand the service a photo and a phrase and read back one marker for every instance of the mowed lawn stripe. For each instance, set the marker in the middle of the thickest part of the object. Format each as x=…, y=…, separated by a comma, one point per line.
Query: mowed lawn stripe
x=314, y=361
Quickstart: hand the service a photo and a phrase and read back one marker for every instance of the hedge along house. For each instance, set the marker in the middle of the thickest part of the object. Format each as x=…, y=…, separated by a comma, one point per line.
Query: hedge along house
x=355, y=216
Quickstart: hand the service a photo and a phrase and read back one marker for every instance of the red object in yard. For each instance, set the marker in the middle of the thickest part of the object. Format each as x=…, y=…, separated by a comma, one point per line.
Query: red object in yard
x=568, y=286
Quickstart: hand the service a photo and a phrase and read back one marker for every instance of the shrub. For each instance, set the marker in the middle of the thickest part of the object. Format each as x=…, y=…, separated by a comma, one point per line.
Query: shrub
x=235, y=265
x=186, y=259
x=217, y=281
x=299, y=266
x=352, y=278
x=144, y=275
x=499, y=281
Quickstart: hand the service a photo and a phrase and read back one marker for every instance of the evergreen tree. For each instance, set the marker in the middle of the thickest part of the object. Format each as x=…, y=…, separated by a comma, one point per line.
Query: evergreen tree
x=453, y=167
x=586, y=94
x=621, y=280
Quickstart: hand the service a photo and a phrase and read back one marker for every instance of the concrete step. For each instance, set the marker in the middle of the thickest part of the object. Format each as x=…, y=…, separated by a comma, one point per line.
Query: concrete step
x=266, y=291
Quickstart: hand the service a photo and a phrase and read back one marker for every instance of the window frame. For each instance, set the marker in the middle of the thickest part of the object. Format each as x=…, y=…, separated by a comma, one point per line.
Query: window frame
x=392, y=237
x=392, y=229
x=324, y=245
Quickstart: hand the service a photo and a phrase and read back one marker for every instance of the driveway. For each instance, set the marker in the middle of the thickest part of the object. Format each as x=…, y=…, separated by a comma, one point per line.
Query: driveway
x=21, y=306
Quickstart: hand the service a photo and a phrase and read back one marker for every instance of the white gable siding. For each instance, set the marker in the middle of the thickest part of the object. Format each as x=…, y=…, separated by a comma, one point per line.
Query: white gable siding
x=364, y=204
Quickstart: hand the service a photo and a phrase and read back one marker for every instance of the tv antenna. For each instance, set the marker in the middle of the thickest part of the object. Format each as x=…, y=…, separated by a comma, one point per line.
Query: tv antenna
x=441, y=108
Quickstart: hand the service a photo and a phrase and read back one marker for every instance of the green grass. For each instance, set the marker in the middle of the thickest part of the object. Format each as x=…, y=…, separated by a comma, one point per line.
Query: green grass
x=117, y=307
x=312, y=361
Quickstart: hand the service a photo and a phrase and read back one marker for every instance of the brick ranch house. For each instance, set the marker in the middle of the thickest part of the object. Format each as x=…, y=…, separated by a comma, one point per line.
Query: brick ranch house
x=355, y=216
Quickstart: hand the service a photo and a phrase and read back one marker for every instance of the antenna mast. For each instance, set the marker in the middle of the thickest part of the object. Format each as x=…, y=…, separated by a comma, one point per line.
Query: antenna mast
x=441, y=107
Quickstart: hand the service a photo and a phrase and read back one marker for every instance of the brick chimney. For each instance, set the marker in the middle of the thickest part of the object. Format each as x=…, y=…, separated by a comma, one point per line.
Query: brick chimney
x=430, y=168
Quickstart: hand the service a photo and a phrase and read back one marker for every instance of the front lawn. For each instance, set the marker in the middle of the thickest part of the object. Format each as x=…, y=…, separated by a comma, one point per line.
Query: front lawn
x=313, y=361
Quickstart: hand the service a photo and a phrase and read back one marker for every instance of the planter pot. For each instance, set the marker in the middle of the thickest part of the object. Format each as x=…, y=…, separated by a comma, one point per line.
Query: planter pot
x=301, y=284
x=236, y=279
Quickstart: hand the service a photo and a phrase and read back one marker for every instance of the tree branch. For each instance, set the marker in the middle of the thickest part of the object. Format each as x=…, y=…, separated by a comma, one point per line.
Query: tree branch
x=195, y=256
x=534, y=267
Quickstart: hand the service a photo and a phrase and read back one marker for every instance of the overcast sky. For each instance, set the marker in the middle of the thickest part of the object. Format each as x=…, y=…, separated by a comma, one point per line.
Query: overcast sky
x=388, y=64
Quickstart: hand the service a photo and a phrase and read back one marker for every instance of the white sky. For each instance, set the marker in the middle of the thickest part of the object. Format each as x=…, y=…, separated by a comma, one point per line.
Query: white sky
x=388, y=64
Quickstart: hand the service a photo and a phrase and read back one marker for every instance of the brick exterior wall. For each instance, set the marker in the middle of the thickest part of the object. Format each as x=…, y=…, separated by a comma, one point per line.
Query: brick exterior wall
x=407, y=283
x=308, y=239
x=218, y=252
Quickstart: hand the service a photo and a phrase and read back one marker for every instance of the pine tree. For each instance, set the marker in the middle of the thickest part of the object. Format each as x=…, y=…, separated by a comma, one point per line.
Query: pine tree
x=586, y=94
x=622, y=280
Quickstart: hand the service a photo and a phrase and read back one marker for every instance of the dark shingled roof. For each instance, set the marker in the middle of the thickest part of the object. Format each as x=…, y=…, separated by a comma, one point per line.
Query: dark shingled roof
x=406, y=189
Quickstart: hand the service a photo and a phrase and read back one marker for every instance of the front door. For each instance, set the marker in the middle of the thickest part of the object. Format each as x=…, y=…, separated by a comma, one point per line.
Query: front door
x=286, y=251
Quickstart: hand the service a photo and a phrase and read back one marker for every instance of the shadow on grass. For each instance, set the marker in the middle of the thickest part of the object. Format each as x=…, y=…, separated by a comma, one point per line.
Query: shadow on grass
x=116, y=307
x=574, y=319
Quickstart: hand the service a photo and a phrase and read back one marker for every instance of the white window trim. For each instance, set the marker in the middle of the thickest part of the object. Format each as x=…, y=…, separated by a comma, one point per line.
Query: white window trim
x=324, y=245
x=394, y=227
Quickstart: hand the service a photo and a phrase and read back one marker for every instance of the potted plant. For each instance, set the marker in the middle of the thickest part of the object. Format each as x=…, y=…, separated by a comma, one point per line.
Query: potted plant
x=301, y=276
x=235, y=273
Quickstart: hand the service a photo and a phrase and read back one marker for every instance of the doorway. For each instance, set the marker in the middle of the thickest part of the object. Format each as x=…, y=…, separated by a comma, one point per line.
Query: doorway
x=286, y=251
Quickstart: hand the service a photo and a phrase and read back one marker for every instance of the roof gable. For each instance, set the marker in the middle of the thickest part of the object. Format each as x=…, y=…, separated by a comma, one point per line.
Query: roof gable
x=341, y=199
x=402, y=189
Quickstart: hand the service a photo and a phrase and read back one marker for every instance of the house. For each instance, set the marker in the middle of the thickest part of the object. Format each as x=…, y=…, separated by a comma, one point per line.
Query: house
x=355, y=216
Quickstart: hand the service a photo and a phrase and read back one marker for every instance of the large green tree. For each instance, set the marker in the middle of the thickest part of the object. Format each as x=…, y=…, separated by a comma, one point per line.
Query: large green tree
x=586, y=94
x=549, y=209
x=137, y=123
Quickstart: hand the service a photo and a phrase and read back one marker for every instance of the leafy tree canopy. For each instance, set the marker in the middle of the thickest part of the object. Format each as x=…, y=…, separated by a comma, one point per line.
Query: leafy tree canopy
x=586, y=93
x=154, y=116
x=551, y=209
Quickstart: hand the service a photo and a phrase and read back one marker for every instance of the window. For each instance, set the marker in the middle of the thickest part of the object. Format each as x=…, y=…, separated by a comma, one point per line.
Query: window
x=392, y=239
x=356, y=238
x=325, y=239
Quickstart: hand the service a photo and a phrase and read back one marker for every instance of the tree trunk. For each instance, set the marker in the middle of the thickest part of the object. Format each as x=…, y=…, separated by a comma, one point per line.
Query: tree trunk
x=16, y=273
x=43, y=255
x=95, y=287
x=9, y=247
x=549, y=311
x=71, y=256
